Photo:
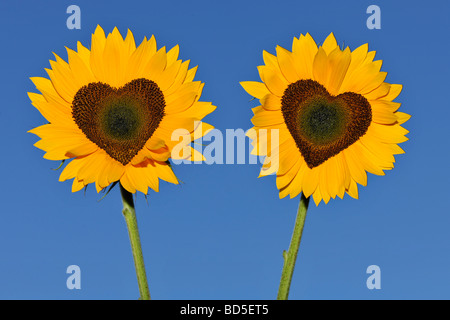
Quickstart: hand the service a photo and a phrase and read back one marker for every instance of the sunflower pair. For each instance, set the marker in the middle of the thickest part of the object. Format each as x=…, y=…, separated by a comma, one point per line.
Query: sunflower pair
x=113, y=109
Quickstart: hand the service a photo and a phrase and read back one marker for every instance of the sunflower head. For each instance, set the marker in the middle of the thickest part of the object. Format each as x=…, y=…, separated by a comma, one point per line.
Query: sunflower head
x=335, y=116
x=112, y=110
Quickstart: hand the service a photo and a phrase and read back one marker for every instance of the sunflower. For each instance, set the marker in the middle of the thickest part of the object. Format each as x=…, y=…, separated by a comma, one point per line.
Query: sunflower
x=112, y=110
x=335, y=116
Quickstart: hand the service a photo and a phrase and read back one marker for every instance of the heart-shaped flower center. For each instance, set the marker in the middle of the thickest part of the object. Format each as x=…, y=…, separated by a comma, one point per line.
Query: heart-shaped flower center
x=323, y=125
x=120, y=121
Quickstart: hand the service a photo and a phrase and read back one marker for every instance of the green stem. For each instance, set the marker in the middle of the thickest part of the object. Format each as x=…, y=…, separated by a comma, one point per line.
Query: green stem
x=291, y=255
x=130, y=217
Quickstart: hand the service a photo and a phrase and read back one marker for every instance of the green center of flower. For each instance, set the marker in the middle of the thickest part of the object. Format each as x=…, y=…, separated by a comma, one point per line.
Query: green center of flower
x=323, y=125
x=322, y=121
x=120, y=121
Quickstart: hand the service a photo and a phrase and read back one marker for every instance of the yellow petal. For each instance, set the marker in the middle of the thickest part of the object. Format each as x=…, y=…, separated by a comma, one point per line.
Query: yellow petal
x=270, y=61
x=62, y=79
x=393, y=92
x=127, y=183
x=77, y=185
x=382, y=114
x=84, y=53
x=289, y=155
x=155, y=143
x=388, y=133
x=364, y=79
x=71, y=170
x=304, y=51
x=137, y=177
x=358, y=57
x=113, y=171
x=355, y=168
x=90, y=169
x=166, y=79
x=110, y=172
x=353, y=190
x=385, y=106
x=310, y=180
x=51, y=112
x=179, y=79
x=370, y=163
x=45, y=86
x=198, y=110
x=160, y=155
x=196, y=155
x=333, y=176
x=80, y=70
x=378, y=93
x=338, y=63
x=201, y=130
x=115, y=60
x=130, y=44
x=97, y=63
x=317, y=196
x=320, y=67
x=139, y=59
x=255, y=89
x=402, y=117
x=286, y=63
x=343, y=174
x=57, y=141
x=184, y=97
x=267, y=118
x=330, y=44
x=172, y=55
x=190, y=74
x=166, y=173
x=151, y=176
x=289, y=175
x=296, y=184
x=273, y=81
x=271, y=102
x=156, y=65
x=81, y=150
x=378, y=150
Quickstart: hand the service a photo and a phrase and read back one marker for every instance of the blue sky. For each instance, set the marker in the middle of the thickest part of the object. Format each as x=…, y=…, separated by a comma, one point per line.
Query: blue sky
x=221, y=234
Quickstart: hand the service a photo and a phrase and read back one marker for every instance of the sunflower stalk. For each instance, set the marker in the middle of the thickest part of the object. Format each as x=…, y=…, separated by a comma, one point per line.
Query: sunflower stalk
x=129, y=214
x=290, y=256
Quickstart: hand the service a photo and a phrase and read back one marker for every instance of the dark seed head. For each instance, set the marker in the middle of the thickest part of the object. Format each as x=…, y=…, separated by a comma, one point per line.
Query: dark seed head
x=323, y=125
x=120, y=121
